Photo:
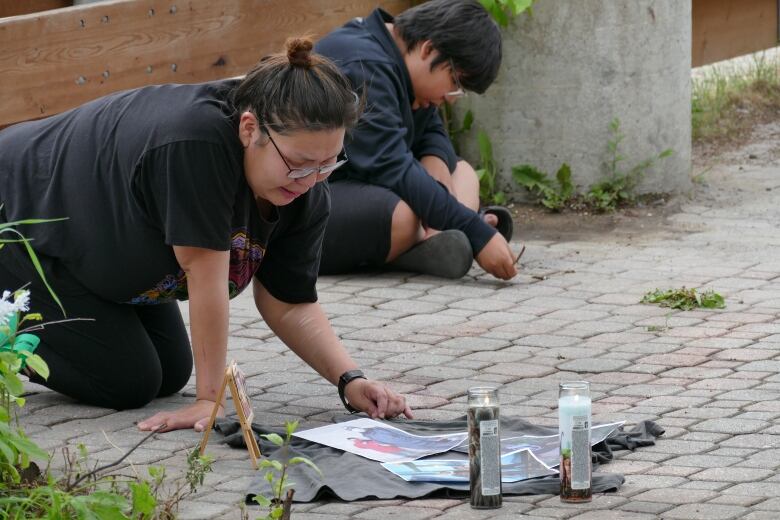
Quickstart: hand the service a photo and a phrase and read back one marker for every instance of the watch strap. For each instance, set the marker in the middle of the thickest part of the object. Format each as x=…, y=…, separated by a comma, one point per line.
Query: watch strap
x=344, y=380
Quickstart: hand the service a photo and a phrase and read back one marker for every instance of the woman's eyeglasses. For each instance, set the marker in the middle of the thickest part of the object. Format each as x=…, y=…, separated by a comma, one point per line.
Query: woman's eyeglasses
x=299, y=173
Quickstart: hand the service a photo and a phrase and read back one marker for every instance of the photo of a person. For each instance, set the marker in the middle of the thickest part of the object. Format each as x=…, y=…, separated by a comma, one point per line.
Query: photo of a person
x=367, y=444
x=243, y=402
x=403, y=440
x=376, y=440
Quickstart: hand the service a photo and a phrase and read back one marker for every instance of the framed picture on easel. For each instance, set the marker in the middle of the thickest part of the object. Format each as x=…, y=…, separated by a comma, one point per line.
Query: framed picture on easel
x=236, y=381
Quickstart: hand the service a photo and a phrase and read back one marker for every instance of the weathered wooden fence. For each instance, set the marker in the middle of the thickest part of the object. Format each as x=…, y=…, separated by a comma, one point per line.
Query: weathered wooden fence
x=56, y=57
x=54, y=60
x=725, y=29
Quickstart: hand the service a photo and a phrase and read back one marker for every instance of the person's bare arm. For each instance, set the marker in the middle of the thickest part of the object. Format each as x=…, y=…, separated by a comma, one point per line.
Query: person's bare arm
x=207, y=285
x=305, y=329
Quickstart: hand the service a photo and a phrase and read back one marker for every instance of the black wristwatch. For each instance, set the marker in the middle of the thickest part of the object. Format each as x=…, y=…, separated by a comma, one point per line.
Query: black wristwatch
x=344, y=380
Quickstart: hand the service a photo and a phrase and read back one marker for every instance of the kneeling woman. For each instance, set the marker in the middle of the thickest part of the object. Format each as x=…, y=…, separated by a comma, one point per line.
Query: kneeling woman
x=176, y=192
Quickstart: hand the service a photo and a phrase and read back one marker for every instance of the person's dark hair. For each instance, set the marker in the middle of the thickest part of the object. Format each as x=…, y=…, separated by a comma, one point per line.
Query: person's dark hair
x=298, y=90
x=461, y=30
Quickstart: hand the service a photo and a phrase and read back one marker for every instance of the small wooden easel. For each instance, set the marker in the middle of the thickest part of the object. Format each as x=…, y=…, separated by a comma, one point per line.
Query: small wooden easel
x=235, y=379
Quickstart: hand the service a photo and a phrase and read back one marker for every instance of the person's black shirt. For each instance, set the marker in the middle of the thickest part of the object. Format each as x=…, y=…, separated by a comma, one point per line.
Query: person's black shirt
x=140, y=171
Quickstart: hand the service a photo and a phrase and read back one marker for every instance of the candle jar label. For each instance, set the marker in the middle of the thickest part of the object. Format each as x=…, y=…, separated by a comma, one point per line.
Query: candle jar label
x=491, y=457
x=484, y=448
x=580, y=453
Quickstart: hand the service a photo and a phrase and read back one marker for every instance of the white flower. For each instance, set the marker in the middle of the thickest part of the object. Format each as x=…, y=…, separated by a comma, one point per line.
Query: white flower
x=8, y=308
x=22, y=301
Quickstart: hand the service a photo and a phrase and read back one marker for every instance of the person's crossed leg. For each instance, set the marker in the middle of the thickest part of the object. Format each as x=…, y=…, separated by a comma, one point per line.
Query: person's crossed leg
x=370, y=226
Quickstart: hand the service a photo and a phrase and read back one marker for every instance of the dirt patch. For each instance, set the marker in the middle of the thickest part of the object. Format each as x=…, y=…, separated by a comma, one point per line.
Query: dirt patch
x=760, y=148
x=717, y=175
x=533, y=222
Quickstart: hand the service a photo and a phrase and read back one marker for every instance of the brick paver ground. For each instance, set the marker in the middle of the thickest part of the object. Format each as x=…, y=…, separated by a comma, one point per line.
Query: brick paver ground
x=710, y=377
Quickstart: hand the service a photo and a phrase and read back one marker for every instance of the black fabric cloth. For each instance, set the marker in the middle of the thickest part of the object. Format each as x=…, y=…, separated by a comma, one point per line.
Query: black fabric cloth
x=359, y=235
x=140, y=171
x=643, y=434
x=351, y=477
x=391, y=137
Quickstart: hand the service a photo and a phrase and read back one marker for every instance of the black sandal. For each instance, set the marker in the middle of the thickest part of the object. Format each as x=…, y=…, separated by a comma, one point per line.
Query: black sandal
x=505, y=225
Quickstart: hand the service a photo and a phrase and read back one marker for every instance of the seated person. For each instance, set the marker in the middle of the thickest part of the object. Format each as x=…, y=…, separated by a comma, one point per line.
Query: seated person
x=404, y=198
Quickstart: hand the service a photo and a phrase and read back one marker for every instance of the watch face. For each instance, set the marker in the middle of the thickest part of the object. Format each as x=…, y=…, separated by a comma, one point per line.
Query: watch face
x=349, y=375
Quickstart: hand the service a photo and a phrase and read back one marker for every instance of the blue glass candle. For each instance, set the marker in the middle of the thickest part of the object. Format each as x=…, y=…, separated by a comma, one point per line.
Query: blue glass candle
x=574, y=423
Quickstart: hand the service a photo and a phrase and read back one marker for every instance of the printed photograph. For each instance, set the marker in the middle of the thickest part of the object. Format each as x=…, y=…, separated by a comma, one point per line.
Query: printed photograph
x=378, y=441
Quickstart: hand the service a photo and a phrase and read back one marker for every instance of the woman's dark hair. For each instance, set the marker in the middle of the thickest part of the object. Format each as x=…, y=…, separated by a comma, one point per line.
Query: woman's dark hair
x=461, y=30
x=298, y=90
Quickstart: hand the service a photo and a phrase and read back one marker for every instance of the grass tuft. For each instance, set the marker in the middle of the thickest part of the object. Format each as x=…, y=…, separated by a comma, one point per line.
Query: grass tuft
x=727, y=103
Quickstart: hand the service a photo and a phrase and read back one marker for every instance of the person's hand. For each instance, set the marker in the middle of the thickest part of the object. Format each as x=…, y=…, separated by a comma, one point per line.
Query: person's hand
x=375, y=399
x=497, y=258
x=194, y=416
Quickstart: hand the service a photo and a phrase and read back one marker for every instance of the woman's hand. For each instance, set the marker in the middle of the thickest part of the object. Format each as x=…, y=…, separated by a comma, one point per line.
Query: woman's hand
x=375, y=399
x=194, y=416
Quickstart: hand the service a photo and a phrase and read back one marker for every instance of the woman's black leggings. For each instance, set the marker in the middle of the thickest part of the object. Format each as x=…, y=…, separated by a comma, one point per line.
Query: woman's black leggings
x=125, y=358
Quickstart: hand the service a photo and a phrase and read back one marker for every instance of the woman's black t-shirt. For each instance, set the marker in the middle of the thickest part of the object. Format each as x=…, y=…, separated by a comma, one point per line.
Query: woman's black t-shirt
x=140, y=171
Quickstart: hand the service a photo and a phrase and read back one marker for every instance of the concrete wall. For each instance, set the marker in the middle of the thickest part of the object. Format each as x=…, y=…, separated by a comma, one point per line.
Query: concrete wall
x=574, y=66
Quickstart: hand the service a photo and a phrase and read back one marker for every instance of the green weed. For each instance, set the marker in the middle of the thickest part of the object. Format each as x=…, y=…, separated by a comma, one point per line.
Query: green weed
x=553, y=194
x=503, y=10
x=455, y=128
x=685, y=299
x=80, y=493
x=487, y=173
x=276, y=475
x=619, y=184
x=615, y=189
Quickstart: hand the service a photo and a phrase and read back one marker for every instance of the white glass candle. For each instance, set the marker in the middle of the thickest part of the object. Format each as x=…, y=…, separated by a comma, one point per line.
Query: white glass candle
x=574, y=425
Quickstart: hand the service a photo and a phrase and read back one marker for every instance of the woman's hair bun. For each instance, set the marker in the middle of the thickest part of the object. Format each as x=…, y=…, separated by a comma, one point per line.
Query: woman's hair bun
x=299, y=51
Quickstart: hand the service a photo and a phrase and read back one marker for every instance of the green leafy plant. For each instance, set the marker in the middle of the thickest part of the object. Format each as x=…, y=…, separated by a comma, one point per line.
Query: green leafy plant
x=503, y=10
x=553, y=194
x=685, y=299
x=276, y=475
x=16, y=352
x=487, y=173
x=81, y=493
x=456, y=128
x=619, y=184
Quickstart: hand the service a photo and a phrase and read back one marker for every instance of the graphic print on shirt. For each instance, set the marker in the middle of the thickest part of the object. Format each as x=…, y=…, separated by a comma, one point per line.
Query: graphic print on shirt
x=245, y=258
